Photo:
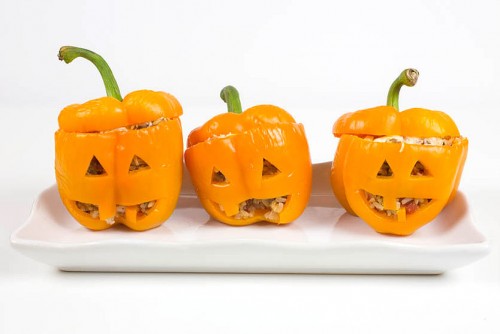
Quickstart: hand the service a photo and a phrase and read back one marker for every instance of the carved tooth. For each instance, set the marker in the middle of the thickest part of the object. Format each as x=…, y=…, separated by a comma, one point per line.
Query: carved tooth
x=230, y=209
x=402, y=215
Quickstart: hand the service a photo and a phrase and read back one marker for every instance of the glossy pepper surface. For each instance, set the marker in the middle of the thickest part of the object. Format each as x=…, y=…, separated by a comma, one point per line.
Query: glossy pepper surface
x=251, y=166
x=397, y=170
x=119, y=161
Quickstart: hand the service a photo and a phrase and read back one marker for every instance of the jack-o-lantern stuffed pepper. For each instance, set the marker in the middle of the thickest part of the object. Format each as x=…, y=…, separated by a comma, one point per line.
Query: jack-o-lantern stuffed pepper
x=250, y=166
x=119, y=160
x=397, y=170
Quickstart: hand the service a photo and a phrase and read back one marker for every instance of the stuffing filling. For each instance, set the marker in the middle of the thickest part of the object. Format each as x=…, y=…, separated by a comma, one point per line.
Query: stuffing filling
x=269, y=207
x=146, y=124
x=430, y=141
x=92, y=210
x=411, y=205
x=137, y=126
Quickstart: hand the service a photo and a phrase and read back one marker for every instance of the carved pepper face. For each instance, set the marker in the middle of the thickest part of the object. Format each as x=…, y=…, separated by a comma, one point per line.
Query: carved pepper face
x=251, y=167
x=395, y=170
x=120, y=162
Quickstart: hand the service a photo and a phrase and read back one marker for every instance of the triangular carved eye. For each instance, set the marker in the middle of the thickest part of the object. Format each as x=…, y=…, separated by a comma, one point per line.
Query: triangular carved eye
x=269, y=169
x=385, y=170
x=137, y=164
x=218, y=177
x=419, y=170
x=95, y=168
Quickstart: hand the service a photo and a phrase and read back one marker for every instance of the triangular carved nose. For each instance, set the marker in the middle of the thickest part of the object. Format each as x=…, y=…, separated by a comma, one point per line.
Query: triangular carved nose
x=95, y=168
x=385, y=169
x=218, y=177
x=268, y=169
x=137, y=164
x=419, y=169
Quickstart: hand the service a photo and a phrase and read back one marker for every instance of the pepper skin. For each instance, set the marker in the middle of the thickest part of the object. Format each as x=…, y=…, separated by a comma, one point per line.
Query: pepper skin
x=137, y=146
x=358, y=160
x=238, y=146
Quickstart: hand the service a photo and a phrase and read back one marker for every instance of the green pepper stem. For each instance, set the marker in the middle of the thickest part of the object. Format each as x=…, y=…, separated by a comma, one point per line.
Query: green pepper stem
x=408, y=78
x=70, y=53
x=230, y=95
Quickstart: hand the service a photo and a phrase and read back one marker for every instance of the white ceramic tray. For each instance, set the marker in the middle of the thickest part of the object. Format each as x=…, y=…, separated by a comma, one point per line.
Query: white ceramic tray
x=325, y=239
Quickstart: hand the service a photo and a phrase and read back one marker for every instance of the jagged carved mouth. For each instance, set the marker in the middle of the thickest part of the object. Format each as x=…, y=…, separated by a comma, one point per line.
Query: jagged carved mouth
x=398, y=208
x=268, y=208
x=135, y=212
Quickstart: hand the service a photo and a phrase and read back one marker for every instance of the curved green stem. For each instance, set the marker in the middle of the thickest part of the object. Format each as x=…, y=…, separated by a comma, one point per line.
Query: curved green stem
x=230, y=95
x=70, y=53
x=408, y=78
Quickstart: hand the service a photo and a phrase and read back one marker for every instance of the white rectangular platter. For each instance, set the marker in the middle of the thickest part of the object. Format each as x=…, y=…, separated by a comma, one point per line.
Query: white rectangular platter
x=325, y=239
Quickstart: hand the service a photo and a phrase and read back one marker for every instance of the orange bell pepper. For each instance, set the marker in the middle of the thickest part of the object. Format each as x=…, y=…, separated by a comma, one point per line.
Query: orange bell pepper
x=119, y=161
x=397, y=170
x=252, y=166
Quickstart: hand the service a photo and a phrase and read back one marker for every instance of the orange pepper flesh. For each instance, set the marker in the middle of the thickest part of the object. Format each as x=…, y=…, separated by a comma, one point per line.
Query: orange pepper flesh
x=101, y=129
x=236, y=145
x=358, y=160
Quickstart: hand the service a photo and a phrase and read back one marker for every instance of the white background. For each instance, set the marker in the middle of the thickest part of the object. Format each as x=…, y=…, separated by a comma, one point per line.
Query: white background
x=316, y=59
